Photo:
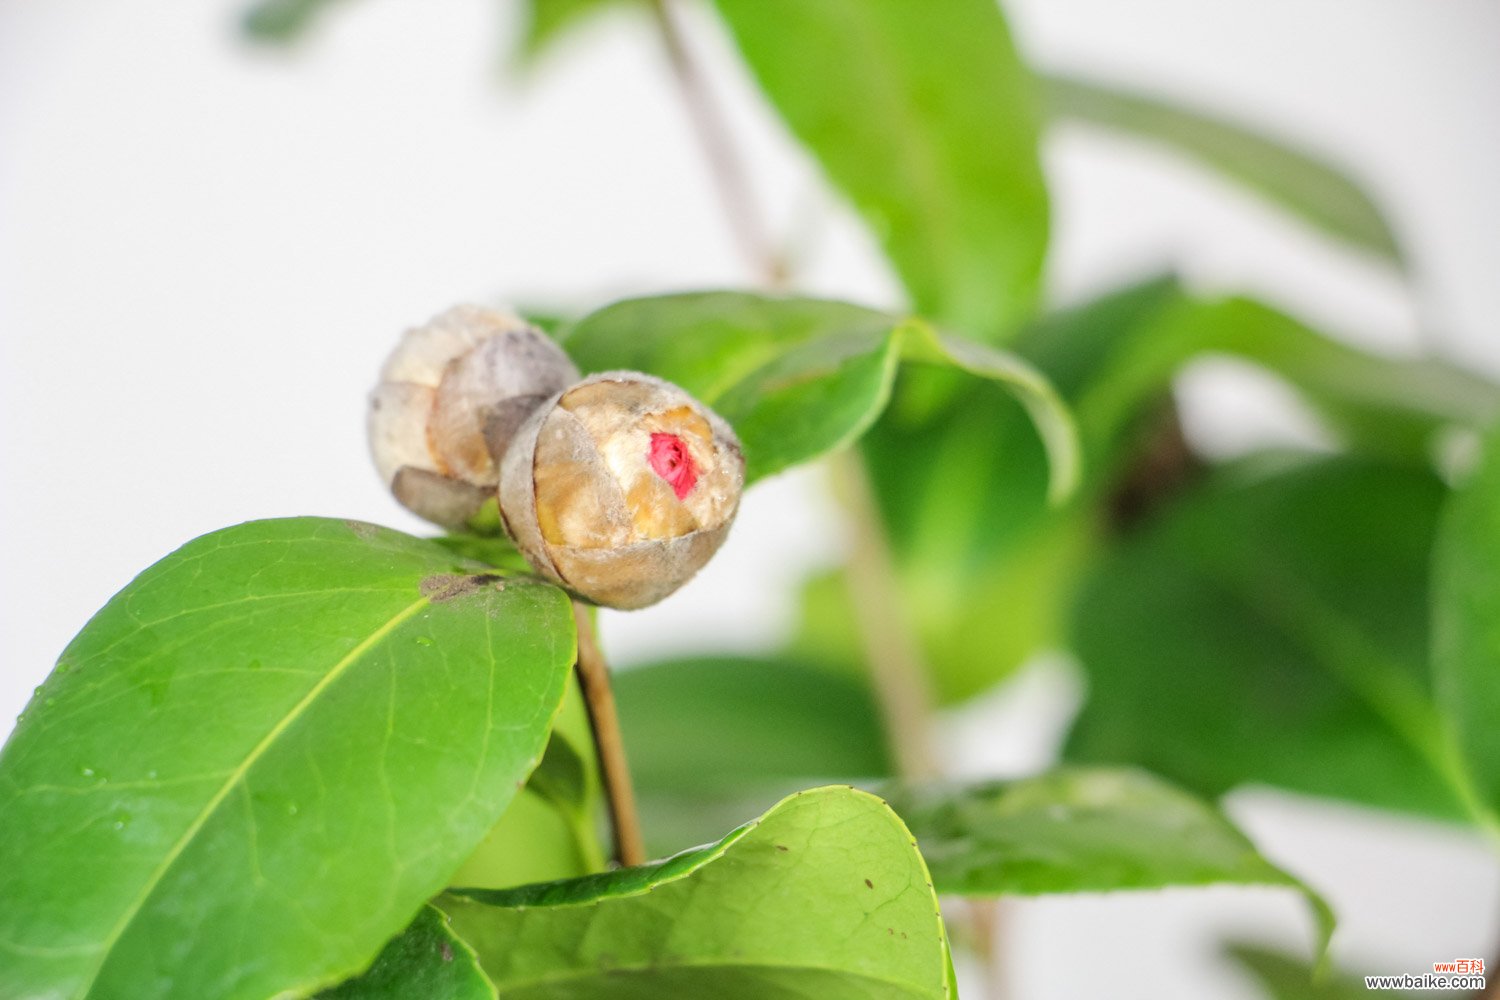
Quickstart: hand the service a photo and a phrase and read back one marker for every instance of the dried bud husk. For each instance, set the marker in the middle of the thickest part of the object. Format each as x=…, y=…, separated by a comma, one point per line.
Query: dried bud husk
x=621, y=487
x=451, y=397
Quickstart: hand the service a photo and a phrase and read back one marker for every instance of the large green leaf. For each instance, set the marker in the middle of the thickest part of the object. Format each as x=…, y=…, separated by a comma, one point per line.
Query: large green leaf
x=923, y=115
x=255, y=763
x=798, y=377
x=1305, y=185
x=1466, y=603
x=1274, y=629
x=427, y=961
x=1082, y=830
x=823, y=896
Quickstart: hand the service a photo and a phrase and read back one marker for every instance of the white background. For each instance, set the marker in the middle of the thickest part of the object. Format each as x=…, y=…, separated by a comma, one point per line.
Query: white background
x=205, y=251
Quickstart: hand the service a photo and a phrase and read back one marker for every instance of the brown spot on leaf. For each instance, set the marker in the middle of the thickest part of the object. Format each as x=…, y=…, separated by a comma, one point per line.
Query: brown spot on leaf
x=447, y=952
x=440, y=587
x=869, y=884
x=782, y=847
x=363, y=530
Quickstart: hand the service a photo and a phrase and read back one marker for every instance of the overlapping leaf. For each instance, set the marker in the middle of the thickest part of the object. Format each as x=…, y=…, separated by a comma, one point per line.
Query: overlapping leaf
x=427, y=961
x=823, y=896
x=798, y=377
x=254, y=764
x=987, y=569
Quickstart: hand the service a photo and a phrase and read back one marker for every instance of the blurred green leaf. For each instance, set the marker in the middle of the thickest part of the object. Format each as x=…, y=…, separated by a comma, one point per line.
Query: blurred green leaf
x=1273, y=628
x=548, y=20
x=799, y=377
x=427, y=961
x=924, y=116
x=986, y=568
x=823, y=896
x=1303, y=184
x=1376, y=404
x=720, y=724
x=1466, y=603
x=1082, y=830
x=288, y=733
x=1285, y=977
x=714, y=739
x=283, y=21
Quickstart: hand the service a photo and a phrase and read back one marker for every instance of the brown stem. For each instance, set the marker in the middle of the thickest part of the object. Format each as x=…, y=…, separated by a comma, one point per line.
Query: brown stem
x=599, y=698
x=897, y=670
x=724, y=161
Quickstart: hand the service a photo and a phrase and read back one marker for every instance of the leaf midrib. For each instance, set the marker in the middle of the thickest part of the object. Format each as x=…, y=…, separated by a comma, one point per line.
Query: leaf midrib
x=235, y=777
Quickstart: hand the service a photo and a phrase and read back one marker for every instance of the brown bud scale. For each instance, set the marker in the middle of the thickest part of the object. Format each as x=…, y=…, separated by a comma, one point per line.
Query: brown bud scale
x=621, y=487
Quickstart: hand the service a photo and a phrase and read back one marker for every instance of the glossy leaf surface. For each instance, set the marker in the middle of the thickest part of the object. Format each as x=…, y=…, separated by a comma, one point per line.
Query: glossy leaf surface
x=823, y=896
x=255, y=763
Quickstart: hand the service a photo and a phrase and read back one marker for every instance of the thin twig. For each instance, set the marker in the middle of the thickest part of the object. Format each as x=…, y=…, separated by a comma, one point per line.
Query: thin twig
x=724, y=161
x=599, y=698
x=902, y=689
x=898, y=672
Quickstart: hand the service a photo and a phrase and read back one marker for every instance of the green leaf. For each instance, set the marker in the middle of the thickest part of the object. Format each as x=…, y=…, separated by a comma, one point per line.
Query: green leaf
x=1287, y=978
x=283, y=21
x=255, y=763
x=1273, y=628
x=823, y=896
x=426, y=961
x=924, y=116
x=1466, y=631
x=1082, y=830
x=799, y=377
x=550, y=830
x=1305, y=185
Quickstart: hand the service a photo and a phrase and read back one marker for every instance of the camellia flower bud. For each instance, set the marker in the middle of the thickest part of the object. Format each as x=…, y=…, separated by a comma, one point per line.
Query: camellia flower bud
x=621, y=487
x=451, y=397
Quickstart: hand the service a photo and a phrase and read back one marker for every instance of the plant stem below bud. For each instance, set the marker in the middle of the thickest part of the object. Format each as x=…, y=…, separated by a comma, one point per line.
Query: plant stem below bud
x=599, y=698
